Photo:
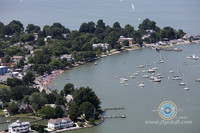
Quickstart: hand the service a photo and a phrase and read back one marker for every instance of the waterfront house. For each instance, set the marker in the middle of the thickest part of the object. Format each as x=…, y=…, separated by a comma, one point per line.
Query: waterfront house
x=3, y=70
x=67, y=56
x=101, y=45
x=69, y=98
x=25, y=108
x=19, y=127
x=16, y=59
x=60, y=123
x=122, y=38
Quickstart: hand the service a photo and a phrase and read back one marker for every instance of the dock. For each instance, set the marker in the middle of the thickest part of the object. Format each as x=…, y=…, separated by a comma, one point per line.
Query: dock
x=114, y=108
x=115, y=116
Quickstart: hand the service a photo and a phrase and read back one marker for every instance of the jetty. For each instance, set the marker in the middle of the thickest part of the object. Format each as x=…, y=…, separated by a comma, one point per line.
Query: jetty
x=114, y=108
x=115, y=116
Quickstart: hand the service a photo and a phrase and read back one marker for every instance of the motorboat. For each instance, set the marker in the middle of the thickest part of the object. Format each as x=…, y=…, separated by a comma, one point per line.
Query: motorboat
x=193, y=57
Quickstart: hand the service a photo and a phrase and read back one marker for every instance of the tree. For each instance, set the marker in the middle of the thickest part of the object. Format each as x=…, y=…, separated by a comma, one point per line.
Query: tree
x=86, y=95
x=73, y=111
x=58, y=111
x=60, y=100
x=116, y=25
x=37, y=100
x=13, y=108
x=55, y=64
x=87, y=109
x=31, y=28
x=68, y=88
x=12, y=82
x=29, y=78
x=47, y=112
x=27, y=37
x=5, y=95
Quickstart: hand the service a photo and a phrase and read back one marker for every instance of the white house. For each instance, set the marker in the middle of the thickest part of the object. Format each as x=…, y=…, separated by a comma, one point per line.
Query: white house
x=19, y=127
x=60, y=123
x=101, y=45
x=67, y=56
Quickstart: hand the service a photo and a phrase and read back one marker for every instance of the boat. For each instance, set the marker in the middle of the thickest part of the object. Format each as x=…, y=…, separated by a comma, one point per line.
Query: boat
x=95, y=63
x=141, y=84
x=177, y=77
x=183, y=83
x=198, y=80
x=156, y=80
x=186, y=88
x=132, y=76
x=145, y=76
x=123, y=79
x=171, y=71
x=127, y=84
x=160, y=60
x=193, y=57
x=151, y=71
x=141, y=66
x=135, y=74
x=155, y=68
x=139, y=19
x=132, y=6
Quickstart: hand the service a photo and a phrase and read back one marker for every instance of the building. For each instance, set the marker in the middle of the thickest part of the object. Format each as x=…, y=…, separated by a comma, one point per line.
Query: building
x=67, y=56
x=3, y=70
x=60, y=123
x=25, y=108
x=101, y=45
x=16, y=59
x=19, y=127
x=122, y=38
x=69, y=98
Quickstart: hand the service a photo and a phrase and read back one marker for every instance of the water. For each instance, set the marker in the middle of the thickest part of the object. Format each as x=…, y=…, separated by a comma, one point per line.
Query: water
x=139, y=102
x=180, y=14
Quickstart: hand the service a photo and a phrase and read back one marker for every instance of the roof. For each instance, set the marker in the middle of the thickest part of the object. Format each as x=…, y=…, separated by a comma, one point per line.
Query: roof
x=53, y=121
x=17, y=123
x=3, y=66
x=17, y=56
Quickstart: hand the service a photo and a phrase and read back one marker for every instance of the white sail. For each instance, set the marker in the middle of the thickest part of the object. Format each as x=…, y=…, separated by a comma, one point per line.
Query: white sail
x=133, y=7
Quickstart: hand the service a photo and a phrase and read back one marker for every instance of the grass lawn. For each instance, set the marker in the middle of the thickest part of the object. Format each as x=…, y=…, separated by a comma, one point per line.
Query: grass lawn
x=3, y=86
x=1, y=112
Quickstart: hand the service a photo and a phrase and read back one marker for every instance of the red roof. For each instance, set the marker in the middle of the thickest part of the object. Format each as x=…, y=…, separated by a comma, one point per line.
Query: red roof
x=10, y=64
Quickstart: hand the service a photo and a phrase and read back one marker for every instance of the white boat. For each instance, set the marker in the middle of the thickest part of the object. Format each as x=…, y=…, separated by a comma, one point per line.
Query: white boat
x=141, y=66
x=151, y=71
x=156, y=79
x=171, y=71
x=183, y=83
x=177, y=77
x=141, y=85
x=123, y=79
x=139, y=19
x=198, y=80
x=186, y=88
x=135, y=74
x=145, y=76
x=95, y=63
x=133, y=7
x=193, y=57
x=155, y=68
x=127, y=84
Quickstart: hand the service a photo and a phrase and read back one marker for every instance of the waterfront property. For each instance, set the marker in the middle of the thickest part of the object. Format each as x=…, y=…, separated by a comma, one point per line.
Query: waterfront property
x=60, y=123
x=101, y=45
x=122, y=38
x=3, y=70
x=19, y=127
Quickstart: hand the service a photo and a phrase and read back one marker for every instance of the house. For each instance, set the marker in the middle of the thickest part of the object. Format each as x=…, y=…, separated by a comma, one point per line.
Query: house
x=9, y=64
x=60, y=123
x=1, y=58
x=48, y=38
x=122, y=38
x=3, y=70
x=19, y=127
x=101, y=45
x=25, y=108
x=1, y=105
x=16, y=59
x=61, y=106
x=67, y=56
x=69, y=98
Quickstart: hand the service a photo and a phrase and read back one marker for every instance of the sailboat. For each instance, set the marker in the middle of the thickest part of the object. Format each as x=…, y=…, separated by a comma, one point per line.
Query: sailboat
x=177, y=77
x=183, y=83
x=133, y=7
x=161, y=60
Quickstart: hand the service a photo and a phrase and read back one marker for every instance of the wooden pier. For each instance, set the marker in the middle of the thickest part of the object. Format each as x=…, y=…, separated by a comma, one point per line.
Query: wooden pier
x=115, y=116
x=115, y=108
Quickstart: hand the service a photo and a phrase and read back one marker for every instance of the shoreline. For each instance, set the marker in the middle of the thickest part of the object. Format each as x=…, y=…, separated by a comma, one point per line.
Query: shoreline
x=56, y=73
